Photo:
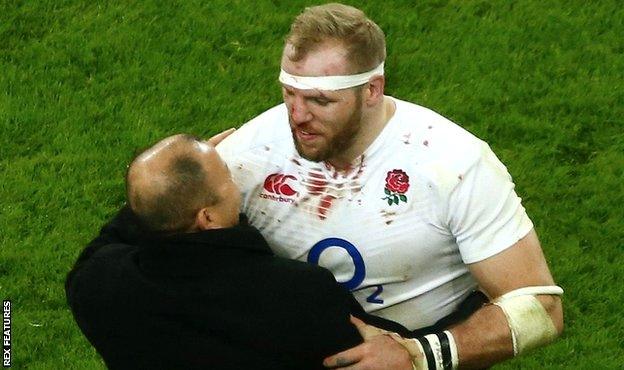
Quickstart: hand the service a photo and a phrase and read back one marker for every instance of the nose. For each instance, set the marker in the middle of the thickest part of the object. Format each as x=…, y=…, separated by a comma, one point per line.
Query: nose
x=299, y=112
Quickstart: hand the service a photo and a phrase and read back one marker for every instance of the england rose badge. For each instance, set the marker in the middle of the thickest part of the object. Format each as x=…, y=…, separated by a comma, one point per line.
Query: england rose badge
x=397, y=184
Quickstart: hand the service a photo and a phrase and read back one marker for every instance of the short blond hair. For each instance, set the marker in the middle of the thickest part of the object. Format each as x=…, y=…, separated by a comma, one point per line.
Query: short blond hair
x=364, y=41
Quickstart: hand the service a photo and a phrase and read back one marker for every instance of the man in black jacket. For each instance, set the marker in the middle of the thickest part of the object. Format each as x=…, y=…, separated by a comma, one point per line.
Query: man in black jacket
x=175, y=282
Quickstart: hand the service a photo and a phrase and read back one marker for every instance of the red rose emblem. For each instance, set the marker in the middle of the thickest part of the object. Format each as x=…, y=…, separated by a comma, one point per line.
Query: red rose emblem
x=397, y=181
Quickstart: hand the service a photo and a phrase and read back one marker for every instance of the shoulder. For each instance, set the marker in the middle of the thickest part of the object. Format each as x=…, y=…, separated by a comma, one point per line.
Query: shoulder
x=92, y=286
x=438, y=138
x=442, y=149
x=270, y=128
x=101, y=269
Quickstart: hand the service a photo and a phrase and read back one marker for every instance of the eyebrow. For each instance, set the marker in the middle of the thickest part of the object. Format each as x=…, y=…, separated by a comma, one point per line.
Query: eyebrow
x=320, y=93
x=324, y=96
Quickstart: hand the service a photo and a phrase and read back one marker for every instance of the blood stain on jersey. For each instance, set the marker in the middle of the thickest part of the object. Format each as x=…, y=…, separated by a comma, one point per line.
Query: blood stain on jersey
x=460, y=177
x=295, y=161
x=426, y=143
x=356, y=186
x=360, y=170
x=406, y=138
x=324, y=206
x=388, y=216
x=303, y=200
x=316, y=183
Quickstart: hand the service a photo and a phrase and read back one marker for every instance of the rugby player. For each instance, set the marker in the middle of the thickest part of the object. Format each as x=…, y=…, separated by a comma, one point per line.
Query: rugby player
x=410, y=212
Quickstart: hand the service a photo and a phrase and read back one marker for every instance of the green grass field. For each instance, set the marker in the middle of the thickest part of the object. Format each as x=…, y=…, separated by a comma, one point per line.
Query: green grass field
x=85, y=85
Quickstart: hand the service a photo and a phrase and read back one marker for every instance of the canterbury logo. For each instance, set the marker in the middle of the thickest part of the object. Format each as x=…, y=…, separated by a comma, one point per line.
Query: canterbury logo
x=277, y=184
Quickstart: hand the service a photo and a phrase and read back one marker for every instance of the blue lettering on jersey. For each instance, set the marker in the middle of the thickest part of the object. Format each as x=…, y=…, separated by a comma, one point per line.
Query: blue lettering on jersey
x=373, y=297
x=358, y=261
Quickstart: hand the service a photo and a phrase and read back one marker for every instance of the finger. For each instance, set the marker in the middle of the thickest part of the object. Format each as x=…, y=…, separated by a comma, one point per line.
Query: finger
x=350, y=367
x=344, y=358
x=359, y=324
x=216, y=139
x=365, y=330
x=355, y=321
x=344, y=364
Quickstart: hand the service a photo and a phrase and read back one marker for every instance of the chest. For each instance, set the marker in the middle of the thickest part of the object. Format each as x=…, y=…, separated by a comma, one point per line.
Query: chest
x=376, y=221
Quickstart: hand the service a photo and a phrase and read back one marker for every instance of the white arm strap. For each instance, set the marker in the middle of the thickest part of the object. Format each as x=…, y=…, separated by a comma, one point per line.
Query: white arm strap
x=529, y=323
x=532, y=290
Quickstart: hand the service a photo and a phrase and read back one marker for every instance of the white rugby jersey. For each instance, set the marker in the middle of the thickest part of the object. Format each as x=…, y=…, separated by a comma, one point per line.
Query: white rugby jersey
x=425, y=199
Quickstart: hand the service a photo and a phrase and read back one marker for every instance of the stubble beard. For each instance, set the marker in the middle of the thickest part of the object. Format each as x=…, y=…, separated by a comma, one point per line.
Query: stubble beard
x=342, y=140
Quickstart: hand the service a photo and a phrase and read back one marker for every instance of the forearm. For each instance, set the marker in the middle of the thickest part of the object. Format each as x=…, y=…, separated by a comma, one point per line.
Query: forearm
x=485, y=338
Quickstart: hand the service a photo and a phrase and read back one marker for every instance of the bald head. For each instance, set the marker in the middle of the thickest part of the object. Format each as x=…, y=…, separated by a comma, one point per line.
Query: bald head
x=170, y=182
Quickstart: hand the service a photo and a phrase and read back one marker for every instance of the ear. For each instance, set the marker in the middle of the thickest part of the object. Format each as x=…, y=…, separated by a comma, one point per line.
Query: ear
x=204, y=219
x=374, y=91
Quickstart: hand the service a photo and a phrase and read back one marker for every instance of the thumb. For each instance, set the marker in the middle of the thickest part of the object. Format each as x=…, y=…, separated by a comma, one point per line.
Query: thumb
x=216, y=139
x=357, y=322
x=365, y=330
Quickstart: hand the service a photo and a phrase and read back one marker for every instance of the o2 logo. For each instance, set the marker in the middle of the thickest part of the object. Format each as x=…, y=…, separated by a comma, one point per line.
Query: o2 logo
x=358, y=263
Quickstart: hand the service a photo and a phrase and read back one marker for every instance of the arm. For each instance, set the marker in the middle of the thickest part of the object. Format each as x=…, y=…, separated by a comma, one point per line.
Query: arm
x=485, y=339
x=502, y=252
x=485, y=216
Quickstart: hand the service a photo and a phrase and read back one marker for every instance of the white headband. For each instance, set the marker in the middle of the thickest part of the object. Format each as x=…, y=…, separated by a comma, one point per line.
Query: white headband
x=329, y=82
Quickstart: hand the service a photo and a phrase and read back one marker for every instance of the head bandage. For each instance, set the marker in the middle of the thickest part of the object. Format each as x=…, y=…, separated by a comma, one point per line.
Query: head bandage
x=329, y=82
x=529, y=323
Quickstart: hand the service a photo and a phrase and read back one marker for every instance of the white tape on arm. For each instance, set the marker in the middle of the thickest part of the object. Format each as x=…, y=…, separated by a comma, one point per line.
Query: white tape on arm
x=530, y=325
x=533, y=290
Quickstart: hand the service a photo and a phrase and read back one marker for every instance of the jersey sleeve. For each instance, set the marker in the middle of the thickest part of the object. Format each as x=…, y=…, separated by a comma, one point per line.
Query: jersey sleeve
x=485, y=214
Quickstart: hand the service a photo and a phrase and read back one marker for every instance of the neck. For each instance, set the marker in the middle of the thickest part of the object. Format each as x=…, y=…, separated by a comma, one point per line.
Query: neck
x=372, y=124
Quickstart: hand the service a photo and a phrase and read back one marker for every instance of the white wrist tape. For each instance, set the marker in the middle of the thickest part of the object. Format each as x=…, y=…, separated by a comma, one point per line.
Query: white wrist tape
x=419, y=362
x=438, y=352
x=432, y=352
x=329, y=82
x=529, y=323
x=453, y=348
